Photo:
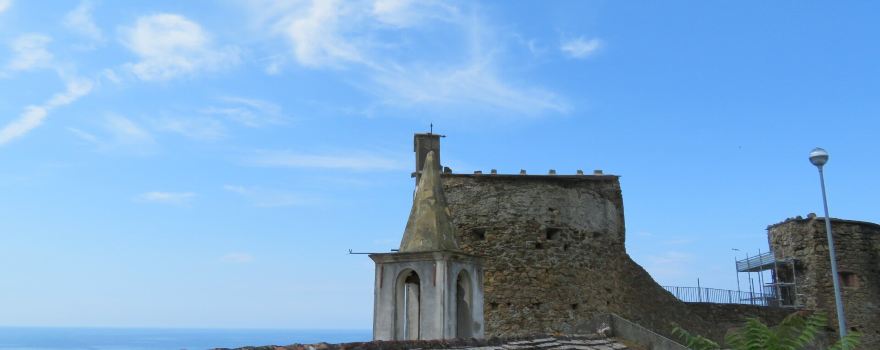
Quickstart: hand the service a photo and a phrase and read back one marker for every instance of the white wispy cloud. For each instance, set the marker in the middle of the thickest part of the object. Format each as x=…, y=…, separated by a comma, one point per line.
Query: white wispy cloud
x=580, y=47
x=373, y=37
x=29, y=51
x=170, y=45
x=476, y=84
x=392, y=11
x=174, y=198
x=80, y=21
x=262, y=197
x=117, y=134
x=315, y=34
x=409, y=13
x=357, y=161
x=248, y=111
x=84, y=135
x=198, y=128
x=5, y=5
x=213, y=122
x=238, y=258
x=275, y=64
x=110, y=75
x=126, y=132
x=33, y=116
x=332, y=33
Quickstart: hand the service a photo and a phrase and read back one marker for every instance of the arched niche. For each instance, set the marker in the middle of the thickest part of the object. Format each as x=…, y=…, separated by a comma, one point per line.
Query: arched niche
x=464, y=296
x=408, y=305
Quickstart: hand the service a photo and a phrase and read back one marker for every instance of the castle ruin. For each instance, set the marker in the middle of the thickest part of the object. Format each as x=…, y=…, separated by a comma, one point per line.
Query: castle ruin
x=546, y=255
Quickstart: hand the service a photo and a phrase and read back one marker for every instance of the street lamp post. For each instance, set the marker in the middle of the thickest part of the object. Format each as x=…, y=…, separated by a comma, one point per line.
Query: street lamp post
x=819, y=157
x=736, y=267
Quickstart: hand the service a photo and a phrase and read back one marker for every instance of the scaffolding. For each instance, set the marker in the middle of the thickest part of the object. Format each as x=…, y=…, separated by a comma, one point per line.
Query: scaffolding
x=781, y=290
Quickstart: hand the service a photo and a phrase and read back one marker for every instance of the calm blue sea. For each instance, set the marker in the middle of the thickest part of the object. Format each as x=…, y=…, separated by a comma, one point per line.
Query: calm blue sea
x=28, y=338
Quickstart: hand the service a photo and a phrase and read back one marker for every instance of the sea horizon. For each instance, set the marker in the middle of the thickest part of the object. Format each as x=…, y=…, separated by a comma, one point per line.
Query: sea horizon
x=159, y=338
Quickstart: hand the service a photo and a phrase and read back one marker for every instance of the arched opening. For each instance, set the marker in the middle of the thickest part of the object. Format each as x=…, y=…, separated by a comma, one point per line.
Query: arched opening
x=408, y=306
x=464, y=321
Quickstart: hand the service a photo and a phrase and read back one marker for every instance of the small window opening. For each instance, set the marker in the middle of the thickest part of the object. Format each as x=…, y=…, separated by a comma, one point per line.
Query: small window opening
x=538, y=245
x=574, y=306
x=536, y=305
x=565, y=246
x=849, y=279
x=493, y=305
x=552, y=233
x=479, y=234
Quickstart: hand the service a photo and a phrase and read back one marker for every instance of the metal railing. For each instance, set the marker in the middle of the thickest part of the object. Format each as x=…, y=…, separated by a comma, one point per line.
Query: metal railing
x=757, y=263
x=721, y=296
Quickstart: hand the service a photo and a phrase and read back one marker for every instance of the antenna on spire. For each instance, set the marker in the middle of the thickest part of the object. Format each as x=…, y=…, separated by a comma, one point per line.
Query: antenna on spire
x=432, y=129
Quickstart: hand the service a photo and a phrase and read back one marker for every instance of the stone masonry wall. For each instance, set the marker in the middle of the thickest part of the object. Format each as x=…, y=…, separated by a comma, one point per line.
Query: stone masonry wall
x=728, y=316
x=858, y=256
x=555, y=256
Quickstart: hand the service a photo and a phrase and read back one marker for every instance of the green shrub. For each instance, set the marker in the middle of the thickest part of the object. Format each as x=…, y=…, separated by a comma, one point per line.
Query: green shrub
x=794, y=333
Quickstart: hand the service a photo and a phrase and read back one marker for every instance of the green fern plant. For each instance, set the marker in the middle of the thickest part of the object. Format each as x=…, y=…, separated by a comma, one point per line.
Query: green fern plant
x=849, y=342
x=794, y=333
x=694, y=342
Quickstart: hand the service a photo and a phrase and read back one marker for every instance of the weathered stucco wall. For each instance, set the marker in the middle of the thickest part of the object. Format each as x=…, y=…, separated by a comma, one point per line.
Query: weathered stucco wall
x=858, y=256
x=554, y=255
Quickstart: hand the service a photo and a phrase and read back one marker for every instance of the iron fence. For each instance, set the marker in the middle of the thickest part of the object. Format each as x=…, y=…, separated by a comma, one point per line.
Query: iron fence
x=722, y=296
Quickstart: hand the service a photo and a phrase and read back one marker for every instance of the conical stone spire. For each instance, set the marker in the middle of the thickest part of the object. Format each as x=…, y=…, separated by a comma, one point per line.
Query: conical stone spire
x=429, y=227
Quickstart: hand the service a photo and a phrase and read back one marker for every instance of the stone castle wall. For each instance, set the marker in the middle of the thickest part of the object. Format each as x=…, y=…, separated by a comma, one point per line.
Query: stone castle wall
x=727, y=316
x=858, y=252
x=555, y=257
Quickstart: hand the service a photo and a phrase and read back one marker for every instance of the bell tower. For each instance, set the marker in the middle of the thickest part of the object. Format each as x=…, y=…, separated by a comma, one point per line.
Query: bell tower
x=429, y=289
x=422, y=144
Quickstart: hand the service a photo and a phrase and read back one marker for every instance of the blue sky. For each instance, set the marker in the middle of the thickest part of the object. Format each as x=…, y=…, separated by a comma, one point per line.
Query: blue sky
x=209, y=164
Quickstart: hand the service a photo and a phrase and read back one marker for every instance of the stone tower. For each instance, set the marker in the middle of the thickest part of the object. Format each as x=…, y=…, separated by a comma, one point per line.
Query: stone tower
x=429, y=289
x=807, y=282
